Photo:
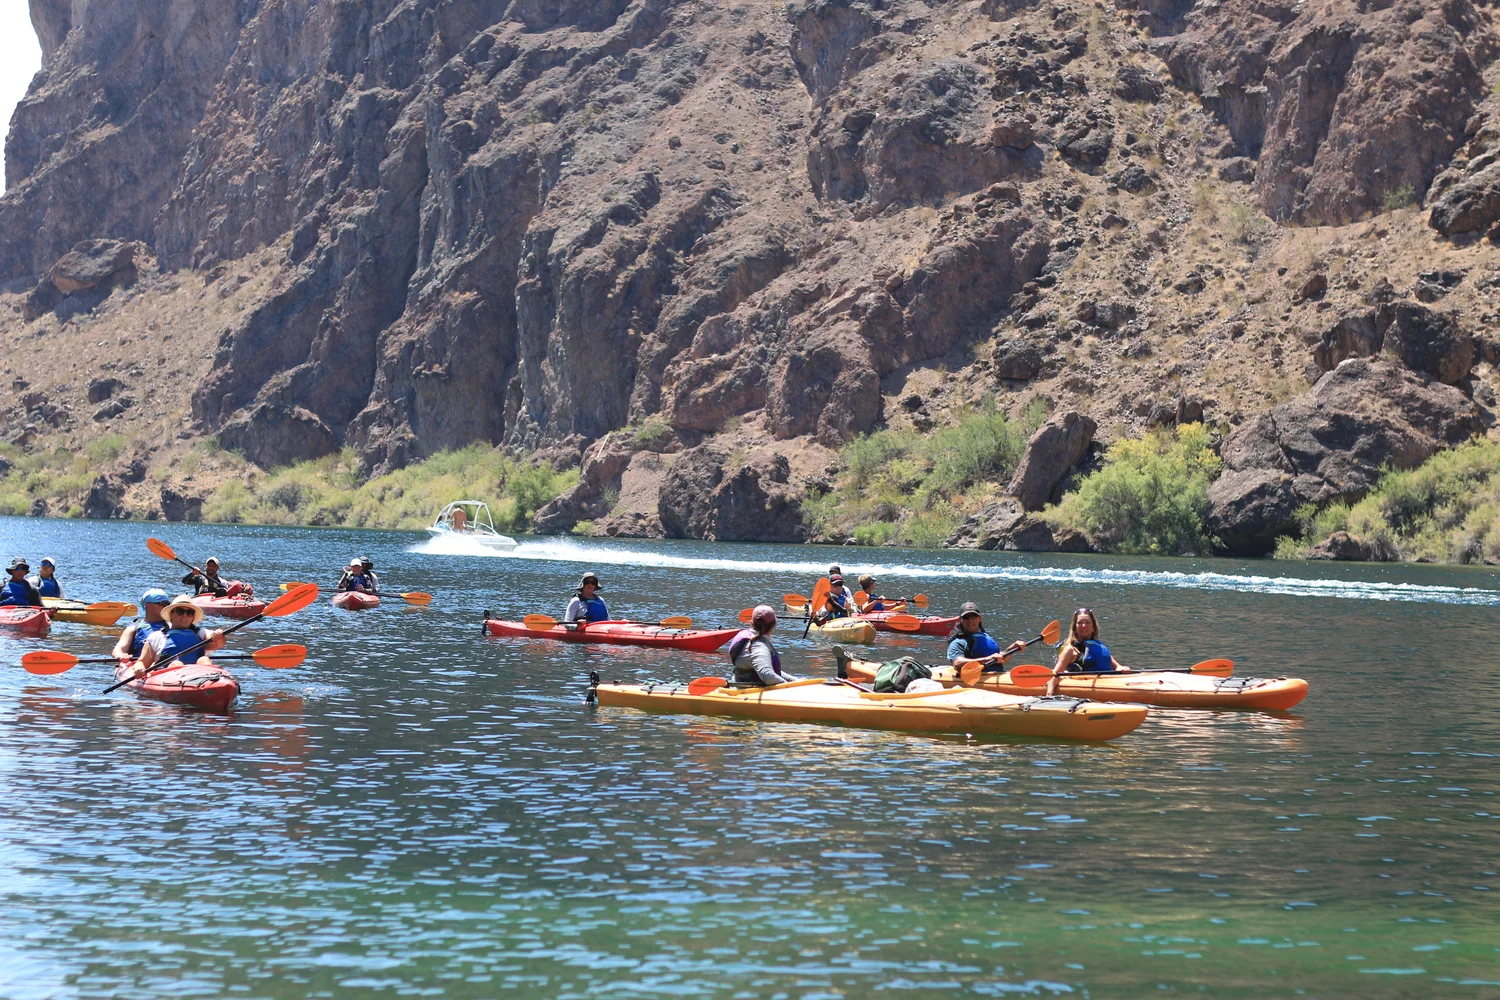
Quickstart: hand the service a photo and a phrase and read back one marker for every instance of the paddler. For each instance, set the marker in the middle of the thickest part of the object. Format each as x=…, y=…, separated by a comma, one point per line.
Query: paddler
x=838, y=604
x=169, y=645
x=354, y=578
x=586, y=605
x=756, y=663
x=206, y=580
x=133, y=639
x=970, y=643
x=18, y=591
x=45, y=581
x=1082, y=652
x=873, y=603
x=372, y=584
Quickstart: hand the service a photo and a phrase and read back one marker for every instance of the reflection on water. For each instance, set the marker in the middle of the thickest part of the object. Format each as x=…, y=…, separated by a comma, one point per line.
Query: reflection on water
x=424, y=809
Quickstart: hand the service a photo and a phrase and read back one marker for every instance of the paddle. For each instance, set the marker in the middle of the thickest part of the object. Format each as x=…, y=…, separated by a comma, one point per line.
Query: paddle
x=904, y=623
x=162, y=549
x=919, y=600
x=819, y=597
x=794, y=600
x=971, y=672
x=676, y=621
x=703, y=685
x=289, y=603
x=1036, y=675
x=410, y=597
x=51, y=661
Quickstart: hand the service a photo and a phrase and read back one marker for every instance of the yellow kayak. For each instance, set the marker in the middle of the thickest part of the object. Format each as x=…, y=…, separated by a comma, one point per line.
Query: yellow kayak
x=845, y=630
x=104, y=613
x=954, y=710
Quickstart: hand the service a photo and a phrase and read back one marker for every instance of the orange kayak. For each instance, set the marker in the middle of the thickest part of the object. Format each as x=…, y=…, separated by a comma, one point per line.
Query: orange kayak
x=621, y=634
x=1165, y=689
x=32, y=621
x=353, y=600
x=197, y=685
x=230, y=607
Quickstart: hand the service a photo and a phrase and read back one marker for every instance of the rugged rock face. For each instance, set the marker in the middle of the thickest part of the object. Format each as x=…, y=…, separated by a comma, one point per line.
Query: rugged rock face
x=702, y=499
x=1053, y=449
x=1331, y=444
x=1003, y=525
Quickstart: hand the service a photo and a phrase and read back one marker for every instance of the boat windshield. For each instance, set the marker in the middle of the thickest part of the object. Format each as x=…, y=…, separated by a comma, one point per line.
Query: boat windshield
x=466, y=516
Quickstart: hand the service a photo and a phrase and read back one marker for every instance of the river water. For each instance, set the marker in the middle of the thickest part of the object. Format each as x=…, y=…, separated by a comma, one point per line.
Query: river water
x=421, y=810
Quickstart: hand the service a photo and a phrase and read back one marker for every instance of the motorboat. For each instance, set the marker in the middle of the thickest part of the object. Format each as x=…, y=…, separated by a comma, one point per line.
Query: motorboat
x=470, y=520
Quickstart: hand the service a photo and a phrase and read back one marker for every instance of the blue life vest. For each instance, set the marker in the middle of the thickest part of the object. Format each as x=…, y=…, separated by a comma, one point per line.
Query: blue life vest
x=360, y=582
x=1094, y=659
x=597, y=611
x=875, y=606
x=142, y=633
x=17, y=593
x=179, y=639
x=836, y=606
x=48, y=586
x=978, y=645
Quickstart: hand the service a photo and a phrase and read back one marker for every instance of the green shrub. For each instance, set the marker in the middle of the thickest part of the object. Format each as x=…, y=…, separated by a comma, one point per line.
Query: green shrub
x=652, y=433
x=1403, y=196
x=104, y=449
x=879, y=533
x=1151, y=496
x=929, y=529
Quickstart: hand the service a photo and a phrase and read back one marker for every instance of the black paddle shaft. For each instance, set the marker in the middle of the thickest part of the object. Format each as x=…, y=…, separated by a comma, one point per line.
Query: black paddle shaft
x=185, y=652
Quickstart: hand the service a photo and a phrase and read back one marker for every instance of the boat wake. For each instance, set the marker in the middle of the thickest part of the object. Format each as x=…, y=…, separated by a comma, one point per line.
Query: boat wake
x=567, y=550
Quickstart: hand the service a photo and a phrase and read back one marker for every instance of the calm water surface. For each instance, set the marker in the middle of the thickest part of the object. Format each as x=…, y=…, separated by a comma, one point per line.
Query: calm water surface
x=420, y=810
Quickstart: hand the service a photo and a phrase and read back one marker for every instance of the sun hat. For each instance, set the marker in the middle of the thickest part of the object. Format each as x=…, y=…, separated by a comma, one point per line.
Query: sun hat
x=587, y=577
x=763, y=613
x=18, y=564
x=182, y=601
x=155, y=596
x=367, y=561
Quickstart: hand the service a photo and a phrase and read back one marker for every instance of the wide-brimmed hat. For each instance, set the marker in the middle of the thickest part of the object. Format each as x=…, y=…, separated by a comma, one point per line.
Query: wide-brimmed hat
x=182, y=601
x=367, y=561
x=587, y=577
x=18, y=564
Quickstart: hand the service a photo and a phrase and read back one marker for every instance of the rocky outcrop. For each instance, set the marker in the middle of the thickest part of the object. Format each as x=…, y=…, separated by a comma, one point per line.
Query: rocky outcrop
x=1422, y=339
x=1343, y=102
x=1003, y=525
x=701, y=498
x=104, y=499
x=1342, y=546
x=1331, y=444
x=604, y=464
x=178, y=506
x=1051, y=451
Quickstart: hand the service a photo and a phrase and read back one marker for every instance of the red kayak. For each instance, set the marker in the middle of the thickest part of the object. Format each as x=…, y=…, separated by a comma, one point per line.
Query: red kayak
x=32, y=621
x=197, y=685
x=622, y=634
x=353, y=600
x=229, y=607
x=931, y=624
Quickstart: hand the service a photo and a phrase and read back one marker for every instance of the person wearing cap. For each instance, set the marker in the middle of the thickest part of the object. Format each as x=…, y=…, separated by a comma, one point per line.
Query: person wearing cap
x=18, y=591
x=970, y=643
x=206, y=580
x=174, y=644
x=133, y=639
x=46, y=581
x=873, y=603
x=756, y=662
x=838, y=604
x=372, y=582
x=586, y=605
x=354, y=578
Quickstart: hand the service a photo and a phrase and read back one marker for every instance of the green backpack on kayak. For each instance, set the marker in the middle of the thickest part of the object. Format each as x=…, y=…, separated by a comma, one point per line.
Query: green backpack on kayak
x=895, y=675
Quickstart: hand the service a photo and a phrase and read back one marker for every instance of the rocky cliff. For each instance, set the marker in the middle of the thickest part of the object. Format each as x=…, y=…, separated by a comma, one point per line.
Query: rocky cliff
x=596, y=230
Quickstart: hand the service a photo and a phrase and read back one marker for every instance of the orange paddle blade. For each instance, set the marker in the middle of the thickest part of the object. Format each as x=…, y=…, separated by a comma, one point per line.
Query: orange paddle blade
x=969, y=674
x=820, y=593
x=703, y=685
x=1214, y=668
x=1030, y=675
x=920, y=600
x=161, y=548
x=292, y=585
x=48, y=661
x=416, y=597
x=861, y=597
x=539, y=623
x=280, y=657
x=677, y=621
x=904, y=623
x=746, y=615
x=1052, y=633
x=292, y=601
x=795, y=600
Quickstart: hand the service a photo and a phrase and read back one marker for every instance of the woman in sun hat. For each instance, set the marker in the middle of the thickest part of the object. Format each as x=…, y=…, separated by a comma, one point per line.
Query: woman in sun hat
x=586, y=604
x=172, y=644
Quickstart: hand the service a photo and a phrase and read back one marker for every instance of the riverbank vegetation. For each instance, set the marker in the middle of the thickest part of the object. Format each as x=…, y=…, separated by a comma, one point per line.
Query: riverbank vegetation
x=1149, y=498
x=898, y=487
x=1445, y=510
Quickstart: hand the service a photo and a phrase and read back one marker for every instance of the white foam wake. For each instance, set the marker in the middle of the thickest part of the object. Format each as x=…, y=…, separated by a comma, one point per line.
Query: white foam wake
x=568, y=550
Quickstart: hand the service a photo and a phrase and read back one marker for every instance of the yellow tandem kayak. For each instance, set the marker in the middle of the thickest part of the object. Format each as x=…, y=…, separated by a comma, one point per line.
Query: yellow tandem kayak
x=954, y=710
x=104, y=613
x=845, y=630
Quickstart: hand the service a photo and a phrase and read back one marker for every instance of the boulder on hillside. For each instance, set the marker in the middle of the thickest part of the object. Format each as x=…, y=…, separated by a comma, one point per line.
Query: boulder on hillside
x=1428, y=341
x=104, y=497
x=93, y=262
x=603, y=463
x=1331, y=444
x=1471, y=204
x=1051, y=452
x=1003, y=525
x=1343, y=546
x=177, y=506
x=701, y=498
x=274, y=434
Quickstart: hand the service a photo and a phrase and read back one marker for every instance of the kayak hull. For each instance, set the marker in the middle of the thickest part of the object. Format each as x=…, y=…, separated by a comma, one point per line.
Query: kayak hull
x=229, y=607
x=621, y=634
x=966, y=711
x=845, y=630
x=195, y=685
x=78, y=613
x=1164, y=690
x=350, y=600
x=28, y=621
x=931, y=624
